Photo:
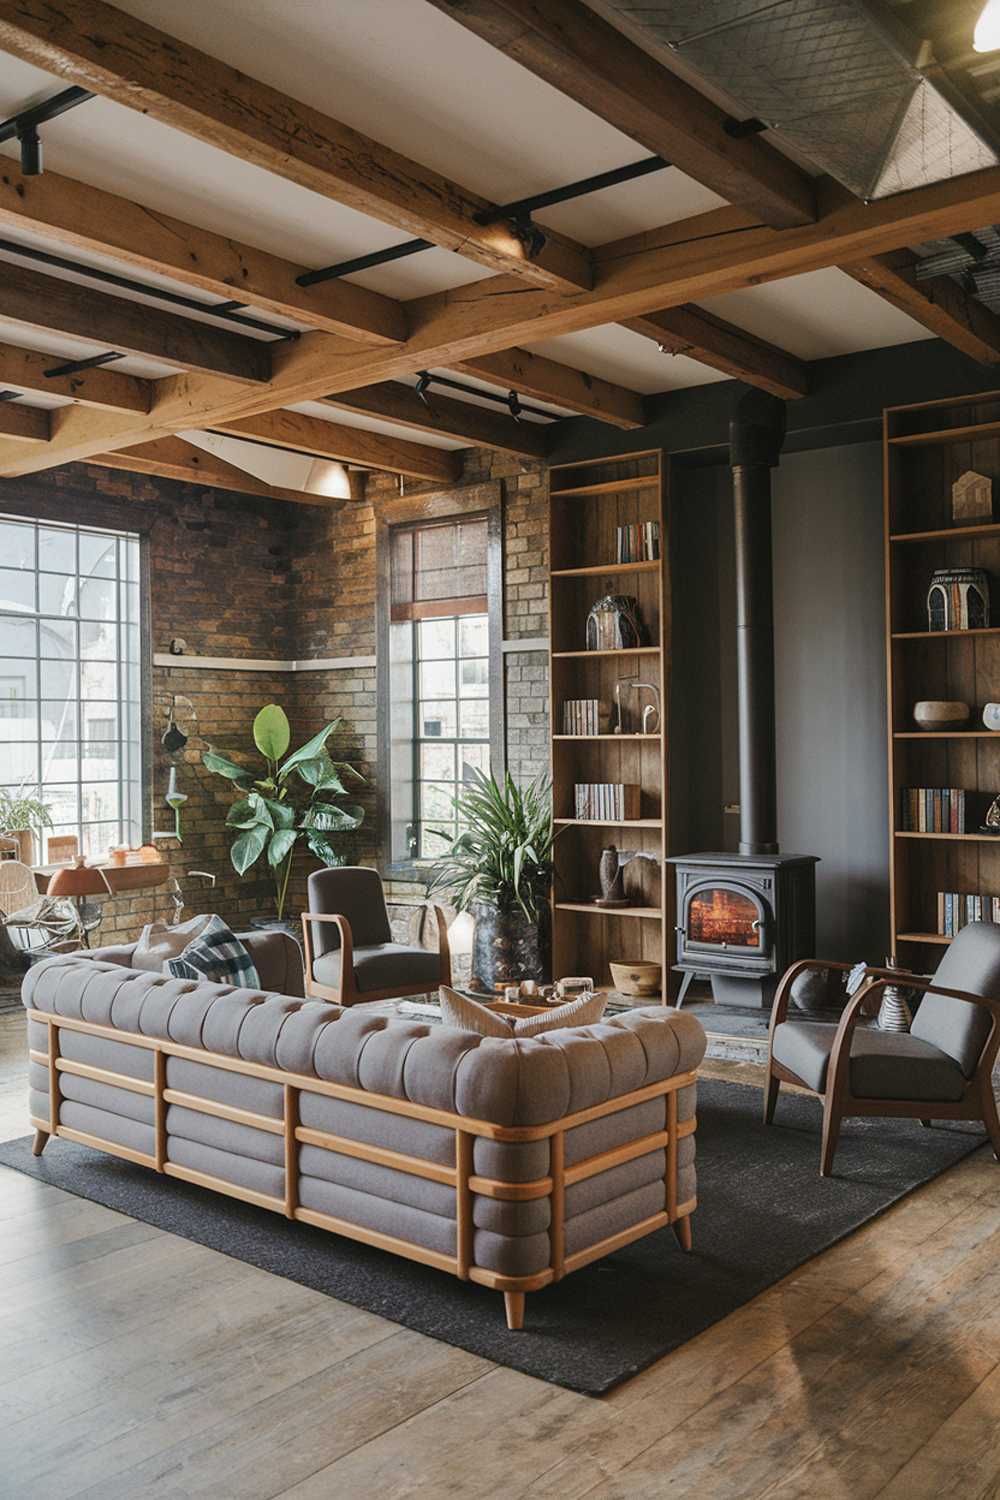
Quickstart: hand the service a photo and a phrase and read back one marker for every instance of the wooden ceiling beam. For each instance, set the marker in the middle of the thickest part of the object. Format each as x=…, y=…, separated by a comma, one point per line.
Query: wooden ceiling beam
x=52, y=305
x=547, y=380
x=564, y=43
x=711, y=341
x=174, y=458
x=302, y=433
x=148, y=242
x=24, y=424
x=939, y=304
x=105, y=388
x=90, y=43
x=679, y=263
x=462, y=420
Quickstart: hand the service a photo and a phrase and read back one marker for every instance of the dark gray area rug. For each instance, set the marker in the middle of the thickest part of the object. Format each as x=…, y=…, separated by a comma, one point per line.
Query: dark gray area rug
x=763, y=1210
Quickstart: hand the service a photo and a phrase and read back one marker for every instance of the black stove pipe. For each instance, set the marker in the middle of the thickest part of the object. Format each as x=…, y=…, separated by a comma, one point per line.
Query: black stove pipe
x=756, y=433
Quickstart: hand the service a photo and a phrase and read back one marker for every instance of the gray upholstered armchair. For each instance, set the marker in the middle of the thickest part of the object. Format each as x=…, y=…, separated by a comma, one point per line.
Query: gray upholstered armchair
x=350, y=956
x=942, y=1069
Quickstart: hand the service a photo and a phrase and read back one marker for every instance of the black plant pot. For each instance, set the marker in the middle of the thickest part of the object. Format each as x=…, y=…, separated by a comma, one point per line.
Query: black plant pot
x=508, y=947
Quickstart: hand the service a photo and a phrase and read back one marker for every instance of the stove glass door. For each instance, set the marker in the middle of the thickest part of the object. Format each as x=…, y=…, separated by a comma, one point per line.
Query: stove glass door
x=721, y=916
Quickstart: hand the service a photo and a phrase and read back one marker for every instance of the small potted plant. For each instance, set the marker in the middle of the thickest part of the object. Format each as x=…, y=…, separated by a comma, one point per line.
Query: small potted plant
x=295, y=797
x=23, y=819
x=500, y=869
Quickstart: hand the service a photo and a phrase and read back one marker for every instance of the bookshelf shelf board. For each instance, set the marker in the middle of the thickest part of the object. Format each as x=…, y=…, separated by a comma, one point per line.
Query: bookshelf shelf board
x=964, y=434
x=968, y=838
x=608, y=822
x=922, y=937
x=618, y=651
x=608, y=486
x=949, y=533
x=647, y=565
x=610, y=738
x=649, y=912
x=947, y=734
x=945, y=635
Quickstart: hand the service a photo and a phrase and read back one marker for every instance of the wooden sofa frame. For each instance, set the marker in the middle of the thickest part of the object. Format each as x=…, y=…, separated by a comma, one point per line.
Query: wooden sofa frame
x=461, y=1177
x=977, y=1101
x=347, y=992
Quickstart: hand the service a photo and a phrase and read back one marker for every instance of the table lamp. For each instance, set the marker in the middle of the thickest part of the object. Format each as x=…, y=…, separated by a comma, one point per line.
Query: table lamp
x=76, y=882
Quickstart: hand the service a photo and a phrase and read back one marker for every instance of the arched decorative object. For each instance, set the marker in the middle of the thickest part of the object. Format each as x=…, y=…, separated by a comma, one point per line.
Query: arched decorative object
x=958, y=599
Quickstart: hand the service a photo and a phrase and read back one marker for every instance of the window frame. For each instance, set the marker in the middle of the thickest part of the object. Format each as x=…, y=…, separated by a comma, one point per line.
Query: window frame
x=471, y=501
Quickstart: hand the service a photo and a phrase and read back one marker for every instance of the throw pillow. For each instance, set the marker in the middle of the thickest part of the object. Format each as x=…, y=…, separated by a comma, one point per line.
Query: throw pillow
x=158, y=943
x=469, y=1015
x=216, y=954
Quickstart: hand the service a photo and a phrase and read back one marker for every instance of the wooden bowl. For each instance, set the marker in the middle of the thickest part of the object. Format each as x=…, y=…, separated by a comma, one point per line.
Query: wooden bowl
x=940, y=713
x=640, y=978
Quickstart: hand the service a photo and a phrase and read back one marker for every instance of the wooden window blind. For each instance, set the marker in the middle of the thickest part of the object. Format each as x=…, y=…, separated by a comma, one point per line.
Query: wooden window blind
x=439, y=568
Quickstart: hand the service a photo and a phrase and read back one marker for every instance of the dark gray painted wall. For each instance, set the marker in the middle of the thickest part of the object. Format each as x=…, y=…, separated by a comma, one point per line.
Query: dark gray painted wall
x=829, y=658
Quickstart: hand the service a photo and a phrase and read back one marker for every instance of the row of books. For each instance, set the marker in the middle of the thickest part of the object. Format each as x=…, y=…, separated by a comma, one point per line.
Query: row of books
x=638, y=542
x=956, y=910
x=607, y=801
x=946, y=809
x=585, y=716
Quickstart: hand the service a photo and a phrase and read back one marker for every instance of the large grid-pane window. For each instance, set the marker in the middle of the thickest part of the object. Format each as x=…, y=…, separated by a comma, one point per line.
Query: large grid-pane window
x=70, y=677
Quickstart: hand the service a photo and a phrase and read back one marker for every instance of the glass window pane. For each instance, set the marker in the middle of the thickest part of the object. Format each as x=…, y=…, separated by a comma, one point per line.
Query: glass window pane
x=437, y=679
x=473, y=758
x=435, y=838
x=435, y=639
x=56, y=594
x=62, y=800
x=57, y=638
x=58, y=679
x=17, y=590
x=59, y=758
x=100, y=801
x=474, y=678
x=97, y=840
x=17, y=544
x=100, y=761
x=475, y=719
x=19, y=761
x=474, y=635
x=437, y=762
x=18, y=679
x=98, y=555
x=438, y=720
x=17, y=637
x=18, y=721
x=98, y=599
x=56, y=549
x=59, y=719
x=100, y=721
x=99, y=642
x=98, y=679
x=437, y=800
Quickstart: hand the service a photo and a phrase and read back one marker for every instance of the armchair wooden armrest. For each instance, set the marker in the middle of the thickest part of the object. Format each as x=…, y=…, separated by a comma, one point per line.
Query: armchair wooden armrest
x=779, y=1010
x=346, y=982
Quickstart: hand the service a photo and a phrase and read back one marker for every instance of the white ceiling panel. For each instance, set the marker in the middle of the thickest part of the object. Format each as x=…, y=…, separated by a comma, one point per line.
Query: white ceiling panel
x=627, y=358
x=374, y=424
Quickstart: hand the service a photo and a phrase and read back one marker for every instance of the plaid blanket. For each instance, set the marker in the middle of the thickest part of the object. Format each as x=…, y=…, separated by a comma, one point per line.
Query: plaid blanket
x=216, y=954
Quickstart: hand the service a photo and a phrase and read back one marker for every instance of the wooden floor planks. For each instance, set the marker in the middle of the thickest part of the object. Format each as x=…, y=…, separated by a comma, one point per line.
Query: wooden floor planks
x=134, y=1364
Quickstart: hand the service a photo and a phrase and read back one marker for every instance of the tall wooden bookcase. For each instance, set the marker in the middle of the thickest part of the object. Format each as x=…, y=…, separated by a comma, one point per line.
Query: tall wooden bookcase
x=587, y=503
x=926, y=448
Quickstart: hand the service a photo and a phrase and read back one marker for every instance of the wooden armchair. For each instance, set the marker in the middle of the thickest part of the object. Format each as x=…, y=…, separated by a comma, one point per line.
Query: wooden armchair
x=350, y=957
x=941, y=1070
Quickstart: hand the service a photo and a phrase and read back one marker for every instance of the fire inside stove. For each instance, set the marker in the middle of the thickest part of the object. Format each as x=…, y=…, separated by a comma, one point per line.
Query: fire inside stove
x=719, y=916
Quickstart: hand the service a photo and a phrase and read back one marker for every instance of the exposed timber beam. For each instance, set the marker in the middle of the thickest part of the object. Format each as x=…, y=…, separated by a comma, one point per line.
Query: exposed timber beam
x=939, y=304
x=699, y=257
x=174, y=458
x=114, y=54
x=462, y=420
x=23, y=424
x=305, y=434
x=53, y=305
x=107, y=389
x=548, y=380
x=711, y=341
x=585, y=57
x=149, y=242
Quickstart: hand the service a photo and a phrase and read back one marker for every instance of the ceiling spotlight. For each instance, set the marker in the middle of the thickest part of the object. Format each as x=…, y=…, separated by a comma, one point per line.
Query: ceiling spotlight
x=986, y=37
x=423, y=381
x=31, y=151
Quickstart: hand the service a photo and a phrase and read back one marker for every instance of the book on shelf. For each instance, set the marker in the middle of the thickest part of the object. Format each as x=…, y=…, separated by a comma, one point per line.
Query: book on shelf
x=942, y=809
x=956, y=909
x=606, y=801
x=637, y=542
x=586, y=716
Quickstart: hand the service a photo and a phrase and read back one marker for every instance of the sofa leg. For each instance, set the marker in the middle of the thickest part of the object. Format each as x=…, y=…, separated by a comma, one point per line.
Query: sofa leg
x=831, y=1135
x=514, y=1307
x=771, y=1089
x=38, y=1144
x=682, y=1229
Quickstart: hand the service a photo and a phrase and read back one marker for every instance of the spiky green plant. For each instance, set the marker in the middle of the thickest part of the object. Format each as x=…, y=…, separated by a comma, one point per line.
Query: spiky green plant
x=502, y=858
x=277, y=809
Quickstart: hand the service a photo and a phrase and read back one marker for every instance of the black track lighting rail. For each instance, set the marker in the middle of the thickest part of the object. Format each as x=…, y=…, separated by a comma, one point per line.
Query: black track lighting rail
x=518, y=213
x=23, y=126
x=512, y=401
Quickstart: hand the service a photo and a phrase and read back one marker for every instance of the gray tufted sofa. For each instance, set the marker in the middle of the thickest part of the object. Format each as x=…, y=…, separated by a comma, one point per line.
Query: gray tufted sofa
x=507, y=1163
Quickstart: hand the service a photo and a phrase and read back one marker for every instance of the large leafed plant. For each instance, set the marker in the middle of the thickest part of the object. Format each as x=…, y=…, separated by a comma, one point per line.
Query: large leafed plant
x=502, y=858
x=299, y=796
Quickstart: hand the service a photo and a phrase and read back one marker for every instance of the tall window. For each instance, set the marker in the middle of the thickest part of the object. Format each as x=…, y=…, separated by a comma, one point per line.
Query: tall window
x=439, y=646
x=70, y=677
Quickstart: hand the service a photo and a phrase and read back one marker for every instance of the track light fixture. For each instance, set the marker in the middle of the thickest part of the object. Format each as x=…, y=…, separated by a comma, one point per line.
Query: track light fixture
x=31, y=151
x=514, y=405
x=423, y=381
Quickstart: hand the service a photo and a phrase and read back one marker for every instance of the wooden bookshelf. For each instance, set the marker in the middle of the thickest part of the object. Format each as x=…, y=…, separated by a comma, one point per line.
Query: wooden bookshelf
x=926, y=448
x=587, y=503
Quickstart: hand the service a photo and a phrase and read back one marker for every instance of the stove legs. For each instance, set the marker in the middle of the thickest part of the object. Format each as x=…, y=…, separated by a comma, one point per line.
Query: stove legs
x=685, y=986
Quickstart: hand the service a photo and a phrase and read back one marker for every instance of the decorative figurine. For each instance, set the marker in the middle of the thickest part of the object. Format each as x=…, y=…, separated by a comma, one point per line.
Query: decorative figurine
x=958, y=599
x=972, y=498
x=612, y=883
x=991, y=823
x=614, y=624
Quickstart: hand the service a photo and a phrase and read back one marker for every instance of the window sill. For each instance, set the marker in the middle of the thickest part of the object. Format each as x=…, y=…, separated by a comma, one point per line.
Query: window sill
x=416, y=871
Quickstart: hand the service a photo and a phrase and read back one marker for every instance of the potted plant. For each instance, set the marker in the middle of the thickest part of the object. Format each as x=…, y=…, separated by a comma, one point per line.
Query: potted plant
x=22, y=819
x=500, y=869
x=297, y=797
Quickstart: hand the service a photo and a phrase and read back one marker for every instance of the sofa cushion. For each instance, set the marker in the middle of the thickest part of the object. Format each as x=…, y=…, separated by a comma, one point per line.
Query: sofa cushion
x=381, y=966
x=158, y=943
x=884, y=1064
x=216, y=954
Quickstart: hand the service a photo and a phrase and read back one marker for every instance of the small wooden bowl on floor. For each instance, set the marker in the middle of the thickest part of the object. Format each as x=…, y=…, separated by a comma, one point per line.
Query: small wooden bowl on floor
x=639, y=978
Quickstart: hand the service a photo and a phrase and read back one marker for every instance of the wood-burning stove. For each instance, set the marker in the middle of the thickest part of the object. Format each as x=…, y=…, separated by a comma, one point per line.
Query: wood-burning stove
x=743, y=918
